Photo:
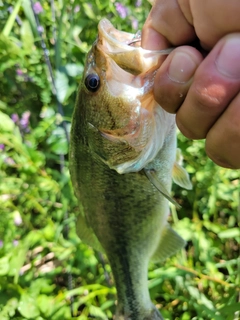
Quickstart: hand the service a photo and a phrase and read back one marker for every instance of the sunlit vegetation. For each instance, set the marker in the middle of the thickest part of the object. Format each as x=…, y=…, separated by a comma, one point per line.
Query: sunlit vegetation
x=46, y=272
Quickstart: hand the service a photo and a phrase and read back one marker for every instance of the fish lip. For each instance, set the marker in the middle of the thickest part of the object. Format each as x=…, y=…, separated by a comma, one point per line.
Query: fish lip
x=116, y=45
x=116, y=38
x=122, y=39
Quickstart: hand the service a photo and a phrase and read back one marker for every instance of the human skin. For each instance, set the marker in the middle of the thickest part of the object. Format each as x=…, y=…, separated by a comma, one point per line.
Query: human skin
x=203, y=90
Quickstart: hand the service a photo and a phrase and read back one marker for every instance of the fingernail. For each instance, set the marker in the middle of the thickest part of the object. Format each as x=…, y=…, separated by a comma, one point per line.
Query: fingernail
x=181, y=68
x=228, y=59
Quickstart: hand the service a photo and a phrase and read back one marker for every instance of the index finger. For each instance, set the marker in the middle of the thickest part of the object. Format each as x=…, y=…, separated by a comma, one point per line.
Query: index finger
x=165, y=26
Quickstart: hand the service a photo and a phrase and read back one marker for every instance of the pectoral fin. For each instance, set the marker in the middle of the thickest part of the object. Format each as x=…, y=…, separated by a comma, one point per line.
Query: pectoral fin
x=181, y=177
x=86, y=234
x=170, y=243
x=155, y=181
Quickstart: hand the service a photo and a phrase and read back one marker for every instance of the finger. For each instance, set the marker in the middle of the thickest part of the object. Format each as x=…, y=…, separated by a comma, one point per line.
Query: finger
x=174, y=78
x=166, y=26
x=212, y=19
x=216, y=82
x=185, y=7
x=223, y=139
x=170, y=22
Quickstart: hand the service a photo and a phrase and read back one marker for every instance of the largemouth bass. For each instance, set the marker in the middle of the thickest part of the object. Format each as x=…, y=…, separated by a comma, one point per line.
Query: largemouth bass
x=122, y=161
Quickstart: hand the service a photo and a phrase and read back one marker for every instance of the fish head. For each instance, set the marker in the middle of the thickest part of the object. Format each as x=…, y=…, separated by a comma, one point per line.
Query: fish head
x=120, y=119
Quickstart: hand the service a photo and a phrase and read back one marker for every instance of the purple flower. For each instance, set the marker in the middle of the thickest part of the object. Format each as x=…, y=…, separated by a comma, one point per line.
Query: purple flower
x=17, y=218
x=9, y=161
x=121, y=10
x=19, y=72
x=23, y=75
x=138, y=3
x=134, y=24
x=15, y=117
x=2, y=146
x=15, y=243
x=24, y=121
x=40, y=29
x=37, y=7
x=77, y=9
x=1, y=243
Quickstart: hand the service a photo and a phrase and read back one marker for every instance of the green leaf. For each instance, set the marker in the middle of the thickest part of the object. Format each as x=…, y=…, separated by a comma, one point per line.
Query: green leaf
x=73, y=69
x=6, y=123
x=17, y=260
x=61, y=85
x=27, y=37
x=10, y=53
x=27, y=8
x=11, y=20
x=89, y=11
x=230, y=233
x=3, y=105
x=8, y=309
x=46, y=304
x=4, y=265
x=58, y=141
x=97, y=312
x=28, y=307
x=107, y=304
x=230, y=309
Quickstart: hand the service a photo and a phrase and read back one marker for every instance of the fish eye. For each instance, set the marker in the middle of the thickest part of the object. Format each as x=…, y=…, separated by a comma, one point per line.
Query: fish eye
x=92, y=82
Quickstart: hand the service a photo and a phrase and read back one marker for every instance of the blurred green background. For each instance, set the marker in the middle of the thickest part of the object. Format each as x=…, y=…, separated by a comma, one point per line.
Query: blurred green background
x=46, y=272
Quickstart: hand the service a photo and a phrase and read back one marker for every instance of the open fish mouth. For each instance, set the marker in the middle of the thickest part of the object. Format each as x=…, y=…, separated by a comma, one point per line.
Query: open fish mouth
x=124, y=48
x=127, y=72
x=114, y=36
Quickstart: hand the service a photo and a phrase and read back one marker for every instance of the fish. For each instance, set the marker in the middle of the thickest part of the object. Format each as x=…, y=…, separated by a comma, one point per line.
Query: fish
x=122, y=161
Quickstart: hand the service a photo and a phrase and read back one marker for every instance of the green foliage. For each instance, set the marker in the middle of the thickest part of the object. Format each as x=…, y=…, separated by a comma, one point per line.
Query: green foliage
x=38, y=243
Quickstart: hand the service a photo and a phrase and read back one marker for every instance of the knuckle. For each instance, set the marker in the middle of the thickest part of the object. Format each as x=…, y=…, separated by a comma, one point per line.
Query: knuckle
x=222, y=146
x=169, y=98
x=189, y=131
x=210, y=98
x=222, y=161
x=170, y=103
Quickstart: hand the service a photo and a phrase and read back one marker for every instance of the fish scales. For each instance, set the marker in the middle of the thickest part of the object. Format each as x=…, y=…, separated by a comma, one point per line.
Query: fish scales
x=115, y=150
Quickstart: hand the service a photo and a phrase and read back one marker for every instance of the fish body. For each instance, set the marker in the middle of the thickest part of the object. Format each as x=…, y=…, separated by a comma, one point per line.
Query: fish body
x=122, y=154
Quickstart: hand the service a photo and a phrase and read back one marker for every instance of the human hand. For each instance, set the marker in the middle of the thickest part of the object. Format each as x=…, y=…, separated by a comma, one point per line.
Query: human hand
x=203, y=92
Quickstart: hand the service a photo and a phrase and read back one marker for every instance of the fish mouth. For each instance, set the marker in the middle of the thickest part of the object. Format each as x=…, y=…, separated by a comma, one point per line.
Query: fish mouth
x=128, y=72
x=124, y=48
x=113, y=36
